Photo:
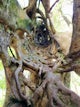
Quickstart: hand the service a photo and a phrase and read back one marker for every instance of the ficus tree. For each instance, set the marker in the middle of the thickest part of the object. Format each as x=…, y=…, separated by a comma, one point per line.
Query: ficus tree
x=38, y=52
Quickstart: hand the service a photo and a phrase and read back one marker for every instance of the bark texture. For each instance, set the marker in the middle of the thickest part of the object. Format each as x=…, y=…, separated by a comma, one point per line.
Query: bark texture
x=75, y=46
x=39, y=53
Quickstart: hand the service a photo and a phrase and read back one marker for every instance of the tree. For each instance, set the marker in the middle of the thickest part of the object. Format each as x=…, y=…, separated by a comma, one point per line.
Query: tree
x=37, y=53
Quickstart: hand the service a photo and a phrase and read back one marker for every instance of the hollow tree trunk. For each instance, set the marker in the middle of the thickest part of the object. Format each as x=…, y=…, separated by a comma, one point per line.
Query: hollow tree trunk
x=49, y=91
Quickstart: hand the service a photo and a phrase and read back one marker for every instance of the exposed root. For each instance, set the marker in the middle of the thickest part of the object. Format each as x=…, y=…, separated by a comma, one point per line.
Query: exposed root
x=52, y=85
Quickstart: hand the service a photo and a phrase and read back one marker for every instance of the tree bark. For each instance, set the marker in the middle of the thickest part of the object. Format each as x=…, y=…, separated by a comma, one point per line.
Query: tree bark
x=75, y=44
x=46, y=85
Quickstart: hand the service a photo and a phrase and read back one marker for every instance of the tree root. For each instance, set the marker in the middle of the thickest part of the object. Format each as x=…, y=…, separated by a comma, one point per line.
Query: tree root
x=52, y=85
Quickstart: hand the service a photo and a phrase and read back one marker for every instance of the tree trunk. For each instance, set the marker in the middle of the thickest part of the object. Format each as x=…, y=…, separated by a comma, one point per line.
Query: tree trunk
x=7, y=18
x=42, y=59
x=75, y=46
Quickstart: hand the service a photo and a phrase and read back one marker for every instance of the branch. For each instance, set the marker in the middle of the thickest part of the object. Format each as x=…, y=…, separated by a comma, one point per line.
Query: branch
x=16, y=77
x=74, y=55
x=65, y=18
x=70, y=68
x=31, y=9
x=6, y=24
x=28, y=83
x=53, y=5
x=42, y=16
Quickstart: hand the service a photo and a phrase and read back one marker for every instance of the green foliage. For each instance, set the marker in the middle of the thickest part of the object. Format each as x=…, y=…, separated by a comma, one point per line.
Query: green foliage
x=1, y=102
x=2, y=84
x=23, y=23
x=26, y=24
x=1, y=65
x=2, y=80
x=2, y=76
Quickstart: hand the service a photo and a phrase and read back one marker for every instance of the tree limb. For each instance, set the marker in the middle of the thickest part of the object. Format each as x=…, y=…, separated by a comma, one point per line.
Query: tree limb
x=53, y=5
